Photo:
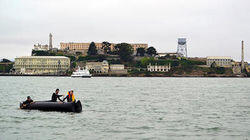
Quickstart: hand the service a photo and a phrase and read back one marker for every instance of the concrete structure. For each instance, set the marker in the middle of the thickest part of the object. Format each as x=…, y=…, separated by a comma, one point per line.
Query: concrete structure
x=161, y=54
x=98, y=67
x=182, y=47
x=136, y=46
x=173, y=54
x=117, y=69
x=41, y=65
x=167, y=54
x=242, y=56
x=46, y=47
x=220, y=61
x=40, y=47
x=50, y=41
x=83, y=47
x=158, y=68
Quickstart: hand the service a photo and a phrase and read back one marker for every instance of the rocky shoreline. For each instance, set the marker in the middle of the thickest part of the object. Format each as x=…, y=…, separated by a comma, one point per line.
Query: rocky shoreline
x=132, y=75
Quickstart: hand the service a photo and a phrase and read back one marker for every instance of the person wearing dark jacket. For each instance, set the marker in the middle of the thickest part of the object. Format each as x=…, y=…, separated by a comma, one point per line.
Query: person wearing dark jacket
x=27, y=102
x=55, y=96
x=70, y=97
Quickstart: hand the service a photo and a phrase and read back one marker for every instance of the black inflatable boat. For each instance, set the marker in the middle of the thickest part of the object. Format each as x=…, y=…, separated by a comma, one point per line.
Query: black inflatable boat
x=54, y=106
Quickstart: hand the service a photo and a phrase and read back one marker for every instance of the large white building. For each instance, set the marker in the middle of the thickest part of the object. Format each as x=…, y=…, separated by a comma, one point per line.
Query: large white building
x=41, y=64
x=220, y=61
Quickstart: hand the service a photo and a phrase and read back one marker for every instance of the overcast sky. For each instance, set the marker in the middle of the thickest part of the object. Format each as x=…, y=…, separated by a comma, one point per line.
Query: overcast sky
x=212, y=27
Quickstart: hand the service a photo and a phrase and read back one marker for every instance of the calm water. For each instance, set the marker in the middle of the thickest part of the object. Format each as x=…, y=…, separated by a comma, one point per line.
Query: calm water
x=129, y=108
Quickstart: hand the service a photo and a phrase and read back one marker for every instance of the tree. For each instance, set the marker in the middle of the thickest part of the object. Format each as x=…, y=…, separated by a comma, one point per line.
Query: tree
x=140, y=52
x=151, y=51
x=124, y=51
x=146, y=61
x=4, y=60
x=92, y=49
x=213, y=65
x=78, y=53
x=106, y=47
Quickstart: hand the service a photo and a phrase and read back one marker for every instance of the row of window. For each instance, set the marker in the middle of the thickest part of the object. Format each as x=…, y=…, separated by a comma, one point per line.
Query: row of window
x=158, y=70
x=44, y=63
x=220, y=60
x=42, y=66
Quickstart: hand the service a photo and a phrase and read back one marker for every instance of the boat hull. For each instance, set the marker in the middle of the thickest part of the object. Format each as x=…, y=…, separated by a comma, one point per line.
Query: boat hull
x=54, y=106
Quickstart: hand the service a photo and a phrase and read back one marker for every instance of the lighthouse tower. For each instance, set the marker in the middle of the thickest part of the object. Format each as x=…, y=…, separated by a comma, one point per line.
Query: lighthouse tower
x=50, y=41
x=242, y=56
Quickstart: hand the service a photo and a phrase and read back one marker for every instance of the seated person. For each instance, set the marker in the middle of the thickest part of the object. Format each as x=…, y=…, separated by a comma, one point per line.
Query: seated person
x=27, y=102
x=55, y=96
x=70, y=97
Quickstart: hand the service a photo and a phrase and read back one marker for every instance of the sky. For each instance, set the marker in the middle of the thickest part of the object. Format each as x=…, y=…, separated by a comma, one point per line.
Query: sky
x=212, y=27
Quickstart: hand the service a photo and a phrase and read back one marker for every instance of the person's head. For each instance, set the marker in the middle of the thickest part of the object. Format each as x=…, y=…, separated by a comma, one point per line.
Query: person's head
x=28, y=98
x=71, y=92
x=57, y=91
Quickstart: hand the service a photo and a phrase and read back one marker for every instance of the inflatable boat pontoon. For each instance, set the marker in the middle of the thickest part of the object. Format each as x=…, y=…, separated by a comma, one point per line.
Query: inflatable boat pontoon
x=54, y=106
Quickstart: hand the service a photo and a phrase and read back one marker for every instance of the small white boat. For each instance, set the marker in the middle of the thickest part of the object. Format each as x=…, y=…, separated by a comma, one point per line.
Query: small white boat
x=84, y=73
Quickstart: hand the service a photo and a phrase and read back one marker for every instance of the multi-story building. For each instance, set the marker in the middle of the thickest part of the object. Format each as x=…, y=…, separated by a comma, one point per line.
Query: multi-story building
x=221, y=61
x=136, y=46
x=83, y=47
x=98, y=67
x=117, y=69
x=158, y=68
x=41, y=64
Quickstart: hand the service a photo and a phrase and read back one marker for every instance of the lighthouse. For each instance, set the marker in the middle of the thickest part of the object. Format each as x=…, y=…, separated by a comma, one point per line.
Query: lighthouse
x=50, y=41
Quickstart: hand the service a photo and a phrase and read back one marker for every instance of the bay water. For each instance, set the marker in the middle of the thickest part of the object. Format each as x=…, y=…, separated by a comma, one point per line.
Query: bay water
x=129, y=108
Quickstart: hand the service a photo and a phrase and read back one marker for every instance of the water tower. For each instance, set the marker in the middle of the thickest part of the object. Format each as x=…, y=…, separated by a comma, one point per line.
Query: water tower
x=182, y=47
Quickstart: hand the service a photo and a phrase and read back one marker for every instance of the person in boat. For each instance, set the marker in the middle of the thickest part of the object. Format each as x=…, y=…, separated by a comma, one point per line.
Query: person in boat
x=27, y=102
x=56, y=96
x=70, y=97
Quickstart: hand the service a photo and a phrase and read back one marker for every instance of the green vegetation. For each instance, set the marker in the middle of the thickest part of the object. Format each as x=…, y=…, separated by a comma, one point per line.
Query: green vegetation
x=5, y=68
x=140, y=52
x=92, y=49
x=151, y=51
x=106, y=47
x=5, y=60
x=42, y=53
x=5, y=65
x=217, y=70
x=92, y=58
x=125, y=52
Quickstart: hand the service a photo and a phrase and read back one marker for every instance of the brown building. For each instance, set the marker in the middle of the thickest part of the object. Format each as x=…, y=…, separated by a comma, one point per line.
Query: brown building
x=136, y=46
x=83, y=47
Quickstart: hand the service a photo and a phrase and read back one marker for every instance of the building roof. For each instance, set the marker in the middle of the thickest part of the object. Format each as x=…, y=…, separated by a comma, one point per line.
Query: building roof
x=116, y=64
x=43, y=57
x=219, y=57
